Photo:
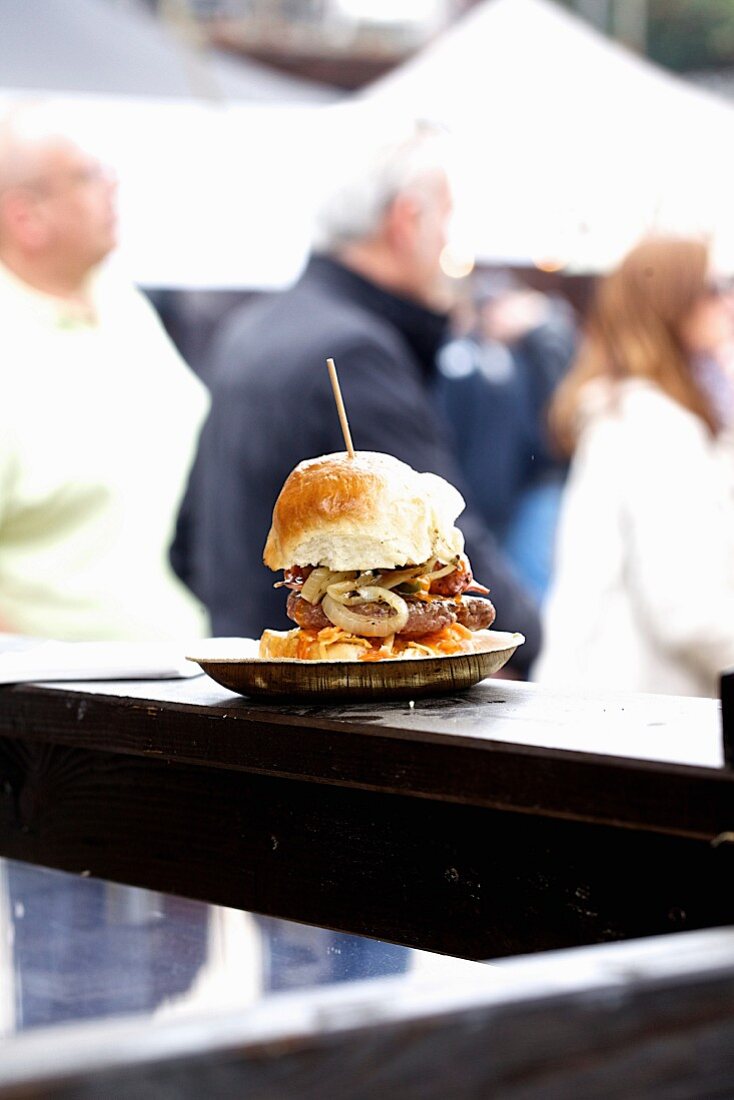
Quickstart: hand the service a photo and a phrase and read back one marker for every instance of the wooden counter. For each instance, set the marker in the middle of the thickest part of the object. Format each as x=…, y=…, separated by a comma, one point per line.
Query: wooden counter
x=502, y=820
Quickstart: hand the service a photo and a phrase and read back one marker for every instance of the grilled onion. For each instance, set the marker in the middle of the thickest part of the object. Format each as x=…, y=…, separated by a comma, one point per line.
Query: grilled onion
x=445, y=570
x=337, y=610
x=317, y=583
x=395, y=577
x=428, y=570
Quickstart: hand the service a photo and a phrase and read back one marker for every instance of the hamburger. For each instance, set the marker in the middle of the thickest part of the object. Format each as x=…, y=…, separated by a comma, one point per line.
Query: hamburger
x=373, y=563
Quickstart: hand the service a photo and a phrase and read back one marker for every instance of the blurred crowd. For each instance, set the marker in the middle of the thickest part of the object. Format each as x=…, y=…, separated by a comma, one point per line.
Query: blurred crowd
x=594, y=452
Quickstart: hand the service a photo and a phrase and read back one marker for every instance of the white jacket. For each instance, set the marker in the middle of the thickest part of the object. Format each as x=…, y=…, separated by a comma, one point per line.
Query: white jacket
x=643, y=591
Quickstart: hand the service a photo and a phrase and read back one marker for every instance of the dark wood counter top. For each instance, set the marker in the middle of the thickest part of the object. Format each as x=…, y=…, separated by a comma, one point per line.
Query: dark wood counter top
x=502, y=819
x=626, y=760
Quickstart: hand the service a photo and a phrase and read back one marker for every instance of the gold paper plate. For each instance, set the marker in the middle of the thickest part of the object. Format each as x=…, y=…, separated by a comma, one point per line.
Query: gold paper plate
x=233, y=663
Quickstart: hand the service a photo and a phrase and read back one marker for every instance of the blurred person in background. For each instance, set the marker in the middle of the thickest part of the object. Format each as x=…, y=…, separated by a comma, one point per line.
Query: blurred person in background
x=643, y=593
x=372, y=297
x=98, y=414
x=494, y=384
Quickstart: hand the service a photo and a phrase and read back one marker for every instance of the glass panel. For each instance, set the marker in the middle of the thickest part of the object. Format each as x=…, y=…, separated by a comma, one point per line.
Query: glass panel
x=75, y=948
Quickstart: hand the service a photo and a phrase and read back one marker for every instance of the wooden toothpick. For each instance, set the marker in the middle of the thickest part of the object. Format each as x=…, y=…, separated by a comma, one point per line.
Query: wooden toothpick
x=340, y=406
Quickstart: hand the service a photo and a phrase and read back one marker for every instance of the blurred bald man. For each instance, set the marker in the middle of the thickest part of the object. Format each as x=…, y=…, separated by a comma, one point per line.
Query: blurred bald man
x=99, y=416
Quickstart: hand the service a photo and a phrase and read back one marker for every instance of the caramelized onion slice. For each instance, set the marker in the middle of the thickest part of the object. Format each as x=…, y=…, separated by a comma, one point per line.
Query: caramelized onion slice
x=317, y=583
x=338, y=611
x=394, y=577
x=444, y=571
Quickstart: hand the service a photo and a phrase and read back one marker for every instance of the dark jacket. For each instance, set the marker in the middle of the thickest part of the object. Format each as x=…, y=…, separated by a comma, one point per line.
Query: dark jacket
x=272, y=406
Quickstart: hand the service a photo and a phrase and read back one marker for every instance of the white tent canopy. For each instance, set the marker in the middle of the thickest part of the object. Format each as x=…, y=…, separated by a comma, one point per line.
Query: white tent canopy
x=574, y=146
x=573, y=149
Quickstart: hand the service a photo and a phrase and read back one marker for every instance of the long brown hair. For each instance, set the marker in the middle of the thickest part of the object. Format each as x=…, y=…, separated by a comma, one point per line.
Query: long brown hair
x=634, y=330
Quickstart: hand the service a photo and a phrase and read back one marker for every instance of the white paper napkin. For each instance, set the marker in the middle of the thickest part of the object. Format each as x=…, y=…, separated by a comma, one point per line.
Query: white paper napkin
x=24, y=660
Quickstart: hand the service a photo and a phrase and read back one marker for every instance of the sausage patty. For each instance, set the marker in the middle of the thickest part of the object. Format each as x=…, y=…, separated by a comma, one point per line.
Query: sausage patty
x=475, y=613
x=424, y=617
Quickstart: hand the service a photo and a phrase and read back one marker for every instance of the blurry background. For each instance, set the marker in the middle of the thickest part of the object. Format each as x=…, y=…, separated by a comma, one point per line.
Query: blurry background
x=581, y=124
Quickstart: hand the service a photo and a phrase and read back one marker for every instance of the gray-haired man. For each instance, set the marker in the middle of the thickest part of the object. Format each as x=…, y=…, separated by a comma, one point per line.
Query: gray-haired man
x=372, y=298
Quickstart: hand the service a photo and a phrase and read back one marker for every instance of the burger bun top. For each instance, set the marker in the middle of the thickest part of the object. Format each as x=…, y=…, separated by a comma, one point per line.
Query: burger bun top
x=367, y=512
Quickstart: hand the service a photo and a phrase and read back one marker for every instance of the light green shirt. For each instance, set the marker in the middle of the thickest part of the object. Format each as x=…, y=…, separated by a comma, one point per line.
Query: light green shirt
x=99, y=418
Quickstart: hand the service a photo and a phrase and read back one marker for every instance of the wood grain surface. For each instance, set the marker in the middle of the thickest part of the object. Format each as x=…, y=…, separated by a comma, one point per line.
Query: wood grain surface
x=423, y=825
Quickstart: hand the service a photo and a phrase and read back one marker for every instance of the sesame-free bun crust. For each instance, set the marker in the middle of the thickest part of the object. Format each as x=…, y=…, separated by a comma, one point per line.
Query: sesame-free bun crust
x=367, y=512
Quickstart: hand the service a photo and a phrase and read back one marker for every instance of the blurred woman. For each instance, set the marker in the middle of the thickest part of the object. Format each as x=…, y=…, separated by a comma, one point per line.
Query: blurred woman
x=643, y=592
